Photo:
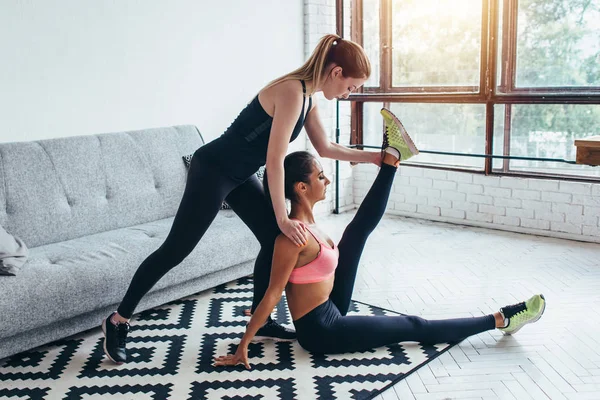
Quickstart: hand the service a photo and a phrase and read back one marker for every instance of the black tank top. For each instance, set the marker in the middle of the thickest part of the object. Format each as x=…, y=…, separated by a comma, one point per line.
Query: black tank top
x=242, y=149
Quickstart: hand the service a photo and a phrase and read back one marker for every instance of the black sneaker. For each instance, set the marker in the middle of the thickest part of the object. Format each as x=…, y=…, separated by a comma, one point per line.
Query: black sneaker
x=275, y=332
x=115, y=337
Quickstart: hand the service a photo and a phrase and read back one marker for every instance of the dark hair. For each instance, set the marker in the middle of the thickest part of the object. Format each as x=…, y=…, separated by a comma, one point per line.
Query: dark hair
x=297, y=167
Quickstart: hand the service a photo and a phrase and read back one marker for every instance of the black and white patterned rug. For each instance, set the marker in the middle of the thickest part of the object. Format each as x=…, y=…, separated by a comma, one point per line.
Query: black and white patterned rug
x=171, y=350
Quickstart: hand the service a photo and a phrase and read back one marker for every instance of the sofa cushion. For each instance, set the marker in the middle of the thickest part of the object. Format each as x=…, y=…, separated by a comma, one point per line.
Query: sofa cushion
x=70, y=278
x=61, y=189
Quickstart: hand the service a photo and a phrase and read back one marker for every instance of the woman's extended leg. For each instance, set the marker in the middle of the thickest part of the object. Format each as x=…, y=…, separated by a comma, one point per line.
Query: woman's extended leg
x=204, y=192
x=362, y=333
x=356, y=234
x=325, y=330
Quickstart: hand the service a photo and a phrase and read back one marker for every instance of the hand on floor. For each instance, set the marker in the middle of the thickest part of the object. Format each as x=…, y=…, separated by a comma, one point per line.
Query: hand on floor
x=231, y=360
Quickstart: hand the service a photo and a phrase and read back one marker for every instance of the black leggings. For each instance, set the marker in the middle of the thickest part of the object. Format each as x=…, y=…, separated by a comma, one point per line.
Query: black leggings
x=205, y=190
x=326, y=329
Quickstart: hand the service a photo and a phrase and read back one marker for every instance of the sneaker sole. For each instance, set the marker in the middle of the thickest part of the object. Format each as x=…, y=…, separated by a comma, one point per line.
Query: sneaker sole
x=407, y=139
x=528, y=322
x=104, y=344
x=260, y=339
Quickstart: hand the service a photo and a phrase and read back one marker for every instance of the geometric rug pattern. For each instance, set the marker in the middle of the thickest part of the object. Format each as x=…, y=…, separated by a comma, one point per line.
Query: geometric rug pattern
x=171, y=350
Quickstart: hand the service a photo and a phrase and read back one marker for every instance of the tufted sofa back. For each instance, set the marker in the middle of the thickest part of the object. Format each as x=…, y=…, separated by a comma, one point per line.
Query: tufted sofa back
x=60, y=189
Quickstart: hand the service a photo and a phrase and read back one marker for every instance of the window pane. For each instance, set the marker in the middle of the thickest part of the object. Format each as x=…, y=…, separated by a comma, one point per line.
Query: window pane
x=371, y=39
x=436, y=42
x=440, y=127
x=558, y=43
x=348, y=6
x=372, y=124
x=549, y=131
x=498, y=163
x=499, y=54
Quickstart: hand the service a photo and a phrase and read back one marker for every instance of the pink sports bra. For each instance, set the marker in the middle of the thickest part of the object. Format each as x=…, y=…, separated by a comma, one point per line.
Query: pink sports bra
x=320, y=269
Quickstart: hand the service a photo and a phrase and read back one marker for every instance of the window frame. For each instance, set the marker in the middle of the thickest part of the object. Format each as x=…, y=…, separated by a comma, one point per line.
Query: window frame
x=488, y=92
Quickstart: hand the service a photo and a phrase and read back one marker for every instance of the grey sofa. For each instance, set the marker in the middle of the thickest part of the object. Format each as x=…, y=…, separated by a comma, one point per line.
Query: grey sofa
x=91, y=209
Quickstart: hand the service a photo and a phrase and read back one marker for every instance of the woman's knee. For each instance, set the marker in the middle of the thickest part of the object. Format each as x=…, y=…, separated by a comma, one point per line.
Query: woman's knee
x=419, y=324
x=312, y=346
x=424, y=331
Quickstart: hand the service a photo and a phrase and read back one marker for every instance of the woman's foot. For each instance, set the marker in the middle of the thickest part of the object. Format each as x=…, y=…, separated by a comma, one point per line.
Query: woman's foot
x=396, y=137
x=271, y=330
x=115, y=330
x=518, y=315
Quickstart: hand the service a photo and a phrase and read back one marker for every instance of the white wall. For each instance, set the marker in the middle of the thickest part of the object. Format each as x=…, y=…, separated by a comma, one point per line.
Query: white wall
x=75, y=67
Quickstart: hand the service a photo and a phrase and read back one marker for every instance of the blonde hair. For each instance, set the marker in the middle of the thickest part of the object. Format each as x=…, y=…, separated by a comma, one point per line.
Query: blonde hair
x=331, y=49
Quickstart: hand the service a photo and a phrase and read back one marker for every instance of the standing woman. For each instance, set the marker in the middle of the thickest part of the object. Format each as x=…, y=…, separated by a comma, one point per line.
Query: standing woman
x=224, y=170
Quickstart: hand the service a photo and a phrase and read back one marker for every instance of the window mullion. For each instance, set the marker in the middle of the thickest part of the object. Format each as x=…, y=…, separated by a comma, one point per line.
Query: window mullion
x=510, y=36
x=385, y=29
x=487, y=48
x=489, y=29
x=339, y=17
x=356, y=22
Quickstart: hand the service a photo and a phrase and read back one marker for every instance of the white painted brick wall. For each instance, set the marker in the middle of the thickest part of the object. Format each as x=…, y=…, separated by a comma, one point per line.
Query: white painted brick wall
x=469, y=188
x=538, y=206
x=526, y=194
x=502, y=220
x=537, y=224
x=492, y=210
x=453, y=196
x=480, y=199
x=453, y=213
x=591, y=230
x=519, y=212
x=503, y=202
x=465, y=206
x=445, y=185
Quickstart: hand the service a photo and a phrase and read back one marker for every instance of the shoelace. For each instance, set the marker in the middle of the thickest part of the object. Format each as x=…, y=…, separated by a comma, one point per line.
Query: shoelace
x=122, y=331
x=514, y=309
x=385, y=139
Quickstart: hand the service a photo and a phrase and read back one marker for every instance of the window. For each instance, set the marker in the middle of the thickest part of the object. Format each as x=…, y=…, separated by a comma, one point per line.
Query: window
x=435, y=44
x=544, y=131
x=506, y=78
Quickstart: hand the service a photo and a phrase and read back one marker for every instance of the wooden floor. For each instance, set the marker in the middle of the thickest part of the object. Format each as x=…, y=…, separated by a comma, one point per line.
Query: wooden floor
x=438, y=270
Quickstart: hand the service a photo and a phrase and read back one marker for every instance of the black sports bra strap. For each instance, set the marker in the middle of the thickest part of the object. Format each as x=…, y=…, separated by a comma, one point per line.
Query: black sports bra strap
x=303, y=100
x=309, y=97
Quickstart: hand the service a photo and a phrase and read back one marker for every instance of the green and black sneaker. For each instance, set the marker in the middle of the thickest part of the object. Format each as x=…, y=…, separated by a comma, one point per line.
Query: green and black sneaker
x=396, y=136
x=519, y=315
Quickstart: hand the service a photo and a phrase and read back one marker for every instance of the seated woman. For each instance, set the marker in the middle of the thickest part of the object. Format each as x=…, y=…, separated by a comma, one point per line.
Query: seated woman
x=318, y=277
